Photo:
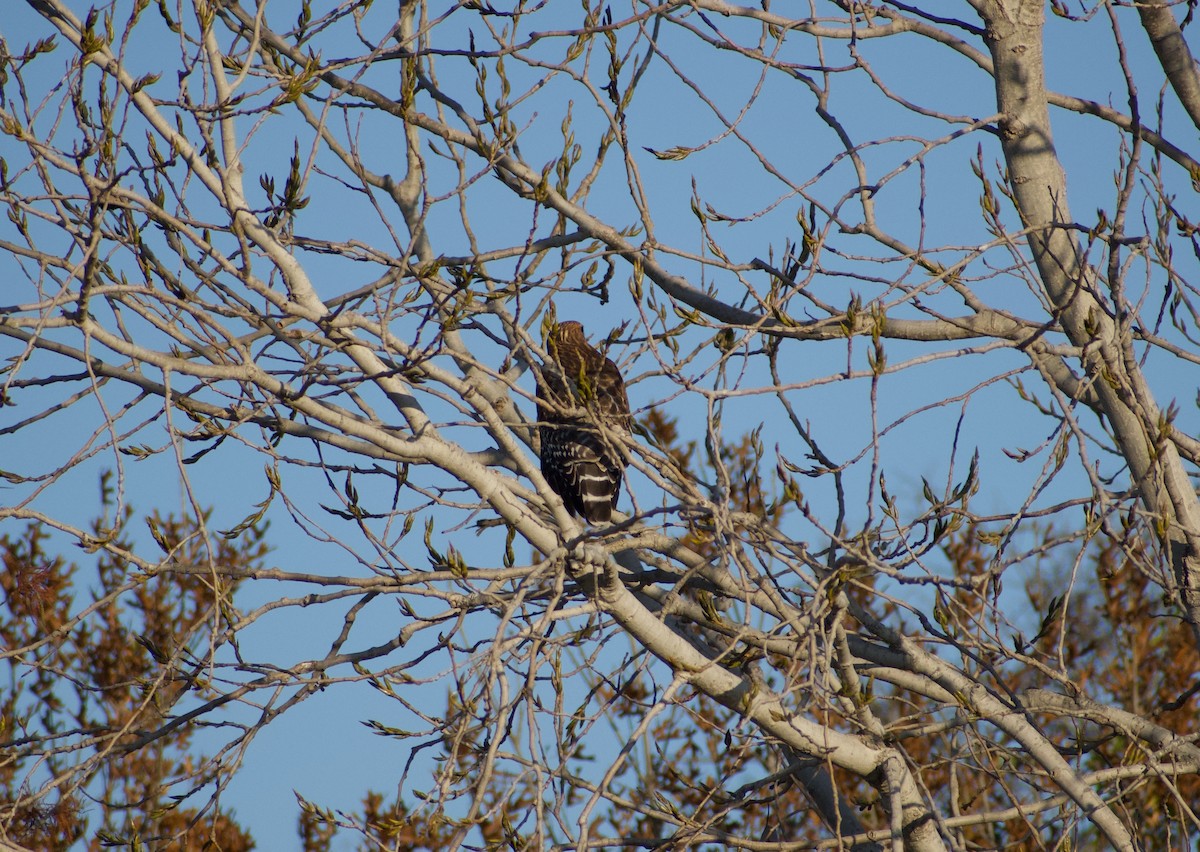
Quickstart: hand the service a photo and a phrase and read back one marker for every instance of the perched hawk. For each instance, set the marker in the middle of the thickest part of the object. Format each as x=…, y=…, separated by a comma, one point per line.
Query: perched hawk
x=582, y=411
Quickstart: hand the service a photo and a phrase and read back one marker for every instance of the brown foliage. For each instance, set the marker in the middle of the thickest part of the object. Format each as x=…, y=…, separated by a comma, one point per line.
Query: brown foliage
x=110, y=683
